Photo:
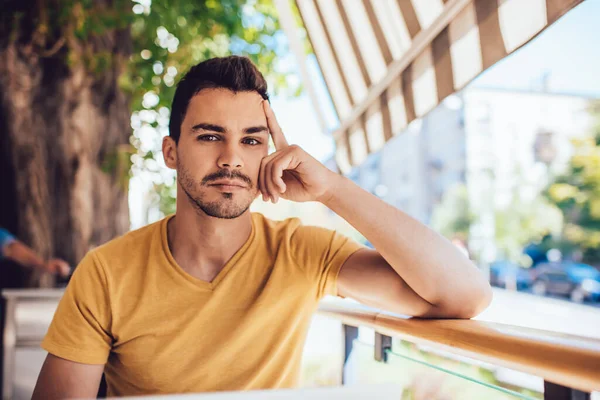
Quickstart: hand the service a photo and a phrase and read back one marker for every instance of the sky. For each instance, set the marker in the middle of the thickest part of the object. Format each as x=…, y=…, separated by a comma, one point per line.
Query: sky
x=568, y=51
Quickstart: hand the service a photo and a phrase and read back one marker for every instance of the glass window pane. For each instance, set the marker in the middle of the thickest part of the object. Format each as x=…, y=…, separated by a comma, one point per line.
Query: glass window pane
x=420, y=375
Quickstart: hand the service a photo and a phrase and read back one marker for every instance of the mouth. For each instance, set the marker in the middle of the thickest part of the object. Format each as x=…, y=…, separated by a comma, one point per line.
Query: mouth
x=227, y=185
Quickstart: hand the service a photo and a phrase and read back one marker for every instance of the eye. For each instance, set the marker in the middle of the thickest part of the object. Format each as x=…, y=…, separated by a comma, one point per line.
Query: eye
x=251, y=141
x=208, y=138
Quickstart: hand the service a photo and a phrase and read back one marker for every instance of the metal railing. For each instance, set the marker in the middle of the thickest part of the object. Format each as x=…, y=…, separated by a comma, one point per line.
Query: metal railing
x=568, y=364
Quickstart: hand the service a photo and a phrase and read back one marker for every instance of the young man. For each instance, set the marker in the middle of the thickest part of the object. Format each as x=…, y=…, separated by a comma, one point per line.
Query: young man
x=218, y=298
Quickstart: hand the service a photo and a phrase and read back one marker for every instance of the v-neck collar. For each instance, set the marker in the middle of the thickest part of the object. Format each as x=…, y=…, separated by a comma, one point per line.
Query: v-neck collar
x=199, y=283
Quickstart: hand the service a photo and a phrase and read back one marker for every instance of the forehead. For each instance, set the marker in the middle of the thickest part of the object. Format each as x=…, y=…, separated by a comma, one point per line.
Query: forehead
x=224, y=107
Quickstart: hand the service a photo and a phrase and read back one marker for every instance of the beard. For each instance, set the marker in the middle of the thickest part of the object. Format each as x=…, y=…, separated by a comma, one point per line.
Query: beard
x=230, y=206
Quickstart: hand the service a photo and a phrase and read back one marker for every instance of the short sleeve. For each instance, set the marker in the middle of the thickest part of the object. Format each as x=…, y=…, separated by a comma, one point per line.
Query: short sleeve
x=321, y=253
x=80, y=329
x=5, y=239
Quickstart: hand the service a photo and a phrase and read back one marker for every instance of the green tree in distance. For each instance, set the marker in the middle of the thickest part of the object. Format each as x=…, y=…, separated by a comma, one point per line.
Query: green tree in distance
x=452, y=217
x=576, y=193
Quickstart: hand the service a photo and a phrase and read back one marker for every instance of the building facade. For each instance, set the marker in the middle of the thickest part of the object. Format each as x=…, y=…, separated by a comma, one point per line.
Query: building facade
x=498, y=143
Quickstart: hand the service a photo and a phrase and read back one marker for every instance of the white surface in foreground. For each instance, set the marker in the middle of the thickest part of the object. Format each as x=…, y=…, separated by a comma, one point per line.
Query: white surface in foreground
x=528, y=310
x=380, y=392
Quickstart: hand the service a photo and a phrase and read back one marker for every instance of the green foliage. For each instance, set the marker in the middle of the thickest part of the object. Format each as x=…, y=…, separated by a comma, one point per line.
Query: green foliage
x=452, y=217
x=577, y=194
x=165, y=197
x=522, y=222
x=170, y=36
x=117, y=162
x=67, y=29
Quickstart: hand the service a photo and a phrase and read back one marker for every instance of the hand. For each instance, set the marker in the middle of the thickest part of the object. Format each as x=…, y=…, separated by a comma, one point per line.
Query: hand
x=290, y=172
x=57, y=266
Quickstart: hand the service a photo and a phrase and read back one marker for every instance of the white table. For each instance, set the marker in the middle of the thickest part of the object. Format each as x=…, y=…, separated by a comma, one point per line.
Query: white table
x=353, y=392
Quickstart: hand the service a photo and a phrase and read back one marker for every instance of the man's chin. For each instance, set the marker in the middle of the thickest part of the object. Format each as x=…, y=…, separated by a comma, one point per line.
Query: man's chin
x=225, y=208
x=225, y=214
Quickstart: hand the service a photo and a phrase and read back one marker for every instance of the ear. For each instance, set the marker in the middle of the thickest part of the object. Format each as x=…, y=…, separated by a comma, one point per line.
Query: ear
x=169, y=150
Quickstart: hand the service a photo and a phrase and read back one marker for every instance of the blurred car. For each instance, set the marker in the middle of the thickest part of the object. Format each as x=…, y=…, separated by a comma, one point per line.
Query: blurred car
x=578, y=281
x=506, y=274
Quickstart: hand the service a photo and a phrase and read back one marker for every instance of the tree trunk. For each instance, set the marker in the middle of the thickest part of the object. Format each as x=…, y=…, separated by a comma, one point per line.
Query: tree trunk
x=64, y=133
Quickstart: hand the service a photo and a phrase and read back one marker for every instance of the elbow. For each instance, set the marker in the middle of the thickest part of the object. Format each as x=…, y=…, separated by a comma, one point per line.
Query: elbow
x=478, y=302
x=463, y=307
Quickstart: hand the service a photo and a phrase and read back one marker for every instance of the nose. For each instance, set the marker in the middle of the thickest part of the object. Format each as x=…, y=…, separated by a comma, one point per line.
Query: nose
x=230, y=157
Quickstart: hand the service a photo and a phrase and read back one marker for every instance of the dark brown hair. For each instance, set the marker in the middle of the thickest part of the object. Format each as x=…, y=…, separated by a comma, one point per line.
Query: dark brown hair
x=235, y=73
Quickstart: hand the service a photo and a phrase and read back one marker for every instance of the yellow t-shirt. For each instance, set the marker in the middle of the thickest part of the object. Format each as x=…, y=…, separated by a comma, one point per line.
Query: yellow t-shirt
x=160, y=330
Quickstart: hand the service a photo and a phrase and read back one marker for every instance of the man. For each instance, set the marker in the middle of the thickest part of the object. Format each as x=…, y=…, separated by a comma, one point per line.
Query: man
x=217, y=298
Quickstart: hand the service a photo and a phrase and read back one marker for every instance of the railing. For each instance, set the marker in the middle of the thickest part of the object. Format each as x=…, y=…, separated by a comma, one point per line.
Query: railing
x=569, y=365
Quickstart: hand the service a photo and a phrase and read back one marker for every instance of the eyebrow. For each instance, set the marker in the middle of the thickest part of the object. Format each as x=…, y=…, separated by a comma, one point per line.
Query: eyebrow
x=220, y=129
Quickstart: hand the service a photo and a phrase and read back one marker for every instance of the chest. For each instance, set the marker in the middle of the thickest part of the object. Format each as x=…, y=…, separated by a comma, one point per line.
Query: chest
x=211, y=347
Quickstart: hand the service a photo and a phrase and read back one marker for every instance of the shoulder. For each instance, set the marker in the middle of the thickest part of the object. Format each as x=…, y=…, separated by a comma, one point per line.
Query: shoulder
x=271, y=226
x=292, y=231
x=286, y=231
x=126, y=248
x=132, y=238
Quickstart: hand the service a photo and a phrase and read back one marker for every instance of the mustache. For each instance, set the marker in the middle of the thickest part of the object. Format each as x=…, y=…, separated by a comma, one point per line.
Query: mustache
x=227, y=174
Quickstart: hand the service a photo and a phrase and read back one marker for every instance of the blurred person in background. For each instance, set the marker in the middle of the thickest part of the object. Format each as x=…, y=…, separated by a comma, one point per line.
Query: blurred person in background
x=216, y=298
x=15, y=255
x=24, y=256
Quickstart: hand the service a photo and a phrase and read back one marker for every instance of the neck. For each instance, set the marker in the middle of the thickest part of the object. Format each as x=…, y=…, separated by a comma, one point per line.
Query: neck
x=202, y=244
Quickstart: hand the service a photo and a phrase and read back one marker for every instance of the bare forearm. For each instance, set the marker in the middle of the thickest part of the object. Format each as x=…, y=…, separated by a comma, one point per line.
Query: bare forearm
x=432, y=266
x=23, y=255
x=62, y=379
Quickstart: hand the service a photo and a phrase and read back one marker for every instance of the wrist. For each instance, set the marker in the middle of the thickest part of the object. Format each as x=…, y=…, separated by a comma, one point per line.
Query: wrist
x=36, y=264
x=333, y=189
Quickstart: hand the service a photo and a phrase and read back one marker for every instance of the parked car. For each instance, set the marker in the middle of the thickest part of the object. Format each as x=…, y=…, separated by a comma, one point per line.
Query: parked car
x=576, y=280
x=506, y=274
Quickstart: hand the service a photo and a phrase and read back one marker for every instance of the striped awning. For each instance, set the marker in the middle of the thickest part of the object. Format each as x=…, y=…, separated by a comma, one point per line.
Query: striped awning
x=388, y=62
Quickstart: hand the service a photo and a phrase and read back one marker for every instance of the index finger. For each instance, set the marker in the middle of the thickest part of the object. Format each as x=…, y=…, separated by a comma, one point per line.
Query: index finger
x=276, y=133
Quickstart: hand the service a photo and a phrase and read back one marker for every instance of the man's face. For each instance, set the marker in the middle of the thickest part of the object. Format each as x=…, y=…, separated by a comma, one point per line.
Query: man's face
x=223, y=139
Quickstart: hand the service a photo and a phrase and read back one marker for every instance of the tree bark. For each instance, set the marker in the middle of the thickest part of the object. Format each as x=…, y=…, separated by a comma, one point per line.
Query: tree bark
x=63, y=133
